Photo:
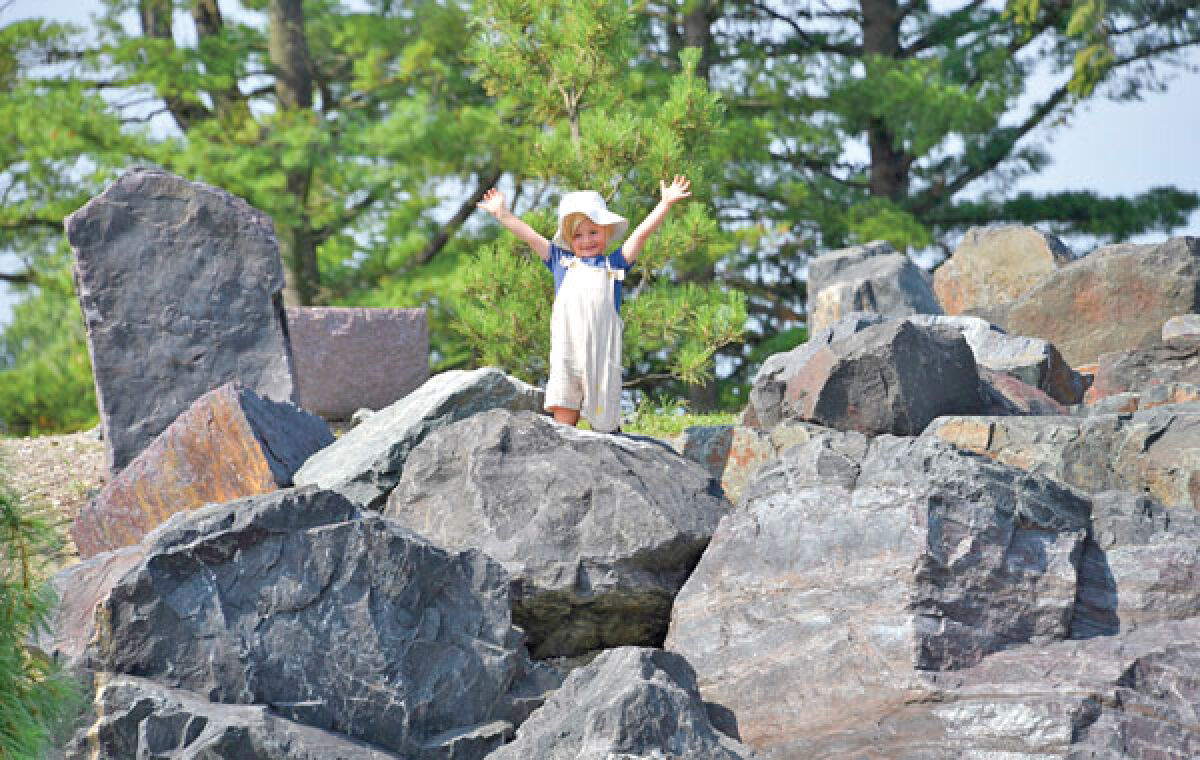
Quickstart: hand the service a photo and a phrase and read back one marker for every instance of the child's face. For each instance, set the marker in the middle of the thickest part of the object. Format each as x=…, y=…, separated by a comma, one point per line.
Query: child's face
x=589, y=238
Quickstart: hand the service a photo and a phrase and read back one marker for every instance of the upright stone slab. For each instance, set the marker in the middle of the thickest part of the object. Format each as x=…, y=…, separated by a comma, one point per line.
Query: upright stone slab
x=994, y=266
x=350, y=359
x=181, y=289
x=229, y=444
x=1114, y=299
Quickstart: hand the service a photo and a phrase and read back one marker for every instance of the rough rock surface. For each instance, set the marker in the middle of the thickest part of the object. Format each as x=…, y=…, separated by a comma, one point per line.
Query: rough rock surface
x=629, y=702
x=335, y=620
x=1012, y=397
x=888, y=378
x=856, y=563
x=368, y=460
x=1181, y=326
x=1139, y=566
x=228, y=444
x=1114, y=299
x=1137, y=371
x=597, y=531
x=1154, y=452
x=994, y=266
x=1031, y=360
x=181, y=287
x=142, y=719
x=872, y=278
x=348, y=359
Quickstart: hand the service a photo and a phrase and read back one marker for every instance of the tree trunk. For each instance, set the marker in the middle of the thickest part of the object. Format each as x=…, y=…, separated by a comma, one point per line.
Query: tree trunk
x=889, y=163
x=697, y=33
x=288, y=51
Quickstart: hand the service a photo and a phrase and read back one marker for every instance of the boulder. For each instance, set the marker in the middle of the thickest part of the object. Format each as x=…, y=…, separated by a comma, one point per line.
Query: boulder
x=143, y=719
x=1139, y=566
x=873, y=278
x=630, y=703
x=348, y=359
x=1182, y=326
x=181, y=285
x=1139, y=370
x=994, y=266
x=1106, y=698
x=856, y=564
x=1010, y=396
x=1167, y=394
x=1114, y=299
x=1154, y=452
x=368, y=460
x=335, y=620
x=228, y=444
x=888, y=378
x=1031, y=360
x=597, y=531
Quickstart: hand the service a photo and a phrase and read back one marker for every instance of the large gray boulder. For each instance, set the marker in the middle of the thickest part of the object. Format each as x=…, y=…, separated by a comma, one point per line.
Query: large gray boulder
x=893, y=377
x=628, y=702
x=597, y=531
x=1114, y=299
x=143, y=719
x=1172, y=363
x=180, y=285
x=1155, y=452
x=871, y=278
x=854, y=565
x=368, y=460
x=335, y=620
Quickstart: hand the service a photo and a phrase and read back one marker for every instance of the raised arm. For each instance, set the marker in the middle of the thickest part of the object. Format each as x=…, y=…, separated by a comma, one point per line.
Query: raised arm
x=679, y=189
x=493, y=203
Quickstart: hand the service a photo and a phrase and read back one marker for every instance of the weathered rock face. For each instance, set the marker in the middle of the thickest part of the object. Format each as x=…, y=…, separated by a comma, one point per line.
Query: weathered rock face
x=994, y=266
x=853, y=565
x=1154, y=452
x=889, y=378
x=629, y=702
x=1114, y=299
x=1106, y=698
x=597, y=531
x=1176, y=362
x=349, y=359
x=873, y=278
x=1031, y=360
x=142, y=719
x=1139, y=566
x=1013, y=397
x=180, y=285
x=338, y=621
x=228, y=444
x=367, y=461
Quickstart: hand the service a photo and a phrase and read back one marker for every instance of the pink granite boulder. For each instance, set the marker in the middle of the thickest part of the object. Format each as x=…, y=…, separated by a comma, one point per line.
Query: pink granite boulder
x=347, y=359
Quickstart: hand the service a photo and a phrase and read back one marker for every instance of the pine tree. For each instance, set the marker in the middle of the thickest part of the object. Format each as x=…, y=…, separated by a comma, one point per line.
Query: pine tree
x=582, y=112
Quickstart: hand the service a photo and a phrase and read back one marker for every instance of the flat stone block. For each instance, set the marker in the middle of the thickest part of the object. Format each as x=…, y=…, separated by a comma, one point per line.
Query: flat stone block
x=229, y=444
x=347, y=359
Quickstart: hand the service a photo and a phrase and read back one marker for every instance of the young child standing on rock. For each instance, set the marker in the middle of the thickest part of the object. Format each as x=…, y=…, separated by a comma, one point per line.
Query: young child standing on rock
x=585, y=323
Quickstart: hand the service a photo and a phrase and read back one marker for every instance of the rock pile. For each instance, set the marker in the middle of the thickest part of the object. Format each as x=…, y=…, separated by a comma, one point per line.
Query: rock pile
x=922, y=542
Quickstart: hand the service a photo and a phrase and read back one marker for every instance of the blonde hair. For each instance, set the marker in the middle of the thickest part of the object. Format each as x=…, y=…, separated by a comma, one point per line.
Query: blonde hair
x=572, y=220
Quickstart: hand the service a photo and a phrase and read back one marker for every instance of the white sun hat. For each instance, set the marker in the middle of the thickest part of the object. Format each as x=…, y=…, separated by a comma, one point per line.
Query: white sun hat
x=590, y=204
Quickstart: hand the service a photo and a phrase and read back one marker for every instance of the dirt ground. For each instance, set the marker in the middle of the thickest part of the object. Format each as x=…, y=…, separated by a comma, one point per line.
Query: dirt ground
x=59, y=473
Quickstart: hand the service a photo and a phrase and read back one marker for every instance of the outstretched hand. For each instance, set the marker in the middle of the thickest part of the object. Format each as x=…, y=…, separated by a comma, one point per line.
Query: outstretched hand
x=493, y=202
x=679, y=189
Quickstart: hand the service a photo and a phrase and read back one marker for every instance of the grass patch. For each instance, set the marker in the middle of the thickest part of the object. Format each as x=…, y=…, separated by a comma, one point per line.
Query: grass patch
x=668, y=418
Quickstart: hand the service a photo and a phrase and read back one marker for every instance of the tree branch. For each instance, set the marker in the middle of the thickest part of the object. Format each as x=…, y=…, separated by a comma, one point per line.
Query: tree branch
x=448, y=229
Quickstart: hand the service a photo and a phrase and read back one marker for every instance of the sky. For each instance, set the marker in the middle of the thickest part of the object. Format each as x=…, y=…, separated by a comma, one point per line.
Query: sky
x=1110, y=148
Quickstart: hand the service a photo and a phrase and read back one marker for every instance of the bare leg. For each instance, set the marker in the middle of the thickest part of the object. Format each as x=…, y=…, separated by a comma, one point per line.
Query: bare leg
x=564, y=415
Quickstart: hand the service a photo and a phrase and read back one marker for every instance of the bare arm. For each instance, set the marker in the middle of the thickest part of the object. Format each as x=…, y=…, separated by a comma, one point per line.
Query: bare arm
x=493, y=203
x=679, y=189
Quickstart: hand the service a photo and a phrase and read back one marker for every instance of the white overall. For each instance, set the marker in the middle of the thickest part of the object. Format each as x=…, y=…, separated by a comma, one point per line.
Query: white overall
x=585, y=339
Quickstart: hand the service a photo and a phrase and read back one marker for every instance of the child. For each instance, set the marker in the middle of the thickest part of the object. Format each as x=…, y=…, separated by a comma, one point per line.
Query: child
x=585, y=323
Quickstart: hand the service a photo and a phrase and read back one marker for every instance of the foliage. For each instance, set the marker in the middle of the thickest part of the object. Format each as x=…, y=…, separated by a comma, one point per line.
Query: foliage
x=666, y=418
x=35, y=696
x=580, y=117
